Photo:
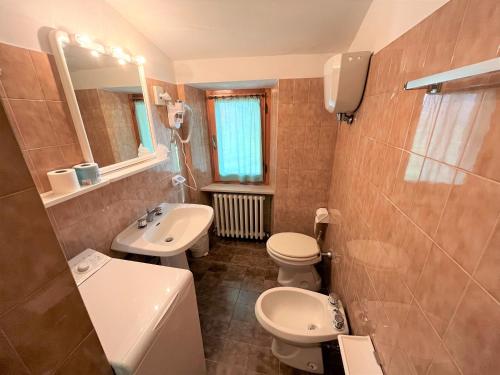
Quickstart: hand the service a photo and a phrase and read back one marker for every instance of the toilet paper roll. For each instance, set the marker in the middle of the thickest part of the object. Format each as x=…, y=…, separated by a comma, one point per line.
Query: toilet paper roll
x=321, y=216
x=87, y=173
x=63, y=181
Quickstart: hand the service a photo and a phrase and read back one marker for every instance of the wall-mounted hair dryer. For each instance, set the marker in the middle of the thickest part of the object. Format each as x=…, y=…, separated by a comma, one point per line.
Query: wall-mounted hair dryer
x=176, y=110
x=176, y=113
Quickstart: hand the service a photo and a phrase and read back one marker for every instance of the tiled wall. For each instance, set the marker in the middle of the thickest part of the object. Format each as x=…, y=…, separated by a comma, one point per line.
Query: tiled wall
x=35, y=104
x=33, y=97
x=95, y=127
x=92, y=220
x=109, y=125
x=119, y=124
x=198, y=152
x=44, y=326
x=416, y=180
x=306, y=145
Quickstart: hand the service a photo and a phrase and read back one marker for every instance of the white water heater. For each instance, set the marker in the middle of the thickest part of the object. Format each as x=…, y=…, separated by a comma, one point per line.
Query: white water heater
x=344, y=83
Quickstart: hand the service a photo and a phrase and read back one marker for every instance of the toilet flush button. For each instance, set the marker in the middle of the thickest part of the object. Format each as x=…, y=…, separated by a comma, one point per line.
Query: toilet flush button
x=83, y=267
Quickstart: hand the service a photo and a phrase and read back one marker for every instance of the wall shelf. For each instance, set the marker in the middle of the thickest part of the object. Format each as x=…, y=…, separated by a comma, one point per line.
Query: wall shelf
x=433, y=82
x=50, y=199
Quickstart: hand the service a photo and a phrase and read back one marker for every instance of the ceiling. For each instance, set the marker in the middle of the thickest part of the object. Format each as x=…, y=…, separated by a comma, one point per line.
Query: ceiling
x=237, y=85
x=200, y=29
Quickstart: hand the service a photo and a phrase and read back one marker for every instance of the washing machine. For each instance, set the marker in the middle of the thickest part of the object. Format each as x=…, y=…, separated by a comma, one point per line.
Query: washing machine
x=145, y=315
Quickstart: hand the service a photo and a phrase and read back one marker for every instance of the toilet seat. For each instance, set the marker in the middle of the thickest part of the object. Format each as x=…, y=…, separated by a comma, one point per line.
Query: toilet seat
x=295, y=254
x=304, y=261
x=293, y=246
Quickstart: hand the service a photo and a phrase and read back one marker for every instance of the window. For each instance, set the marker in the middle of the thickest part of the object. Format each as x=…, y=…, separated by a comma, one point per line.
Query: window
x=239, y=133
x=141, y=117
x=140, y=120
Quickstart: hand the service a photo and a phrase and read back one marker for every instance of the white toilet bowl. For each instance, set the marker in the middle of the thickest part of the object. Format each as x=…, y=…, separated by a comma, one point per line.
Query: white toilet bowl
x=295, y=254
x=299, y=320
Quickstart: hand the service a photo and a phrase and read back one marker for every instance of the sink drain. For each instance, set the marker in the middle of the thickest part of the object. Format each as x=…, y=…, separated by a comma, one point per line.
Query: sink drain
x=311, y=327
x=169, y=239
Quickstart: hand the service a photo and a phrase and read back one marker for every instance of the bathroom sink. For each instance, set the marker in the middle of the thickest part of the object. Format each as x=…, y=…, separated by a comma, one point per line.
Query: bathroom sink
x=170, y=234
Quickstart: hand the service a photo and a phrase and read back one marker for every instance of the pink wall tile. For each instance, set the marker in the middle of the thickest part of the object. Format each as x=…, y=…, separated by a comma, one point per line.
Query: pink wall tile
x=42, y=317
x=48, y=76
x=481, y=153
x=34, y=123
x=480, y=311
x=19, y=78
x=487, y=271
x=419, y=201
x=439, y=288
x=306, y=144
x=468, y=219
x=54, y=315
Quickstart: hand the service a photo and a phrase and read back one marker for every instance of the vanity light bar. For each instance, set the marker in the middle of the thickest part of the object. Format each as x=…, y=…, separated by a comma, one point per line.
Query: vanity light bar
x=83, y=40
x=86, y=42
x=120, y=55
x=140, y=60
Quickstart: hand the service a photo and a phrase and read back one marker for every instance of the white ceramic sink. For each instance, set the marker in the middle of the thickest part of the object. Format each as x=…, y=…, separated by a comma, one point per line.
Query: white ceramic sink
x=170, y=234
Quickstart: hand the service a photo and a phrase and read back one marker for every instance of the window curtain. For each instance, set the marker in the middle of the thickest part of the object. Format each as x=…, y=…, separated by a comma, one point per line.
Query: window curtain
x=239, y=139
x=142, y=120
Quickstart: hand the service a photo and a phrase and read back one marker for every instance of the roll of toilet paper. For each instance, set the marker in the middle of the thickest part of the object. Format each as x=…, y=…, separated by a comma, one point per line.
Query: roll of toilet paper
x=322, y=216
x=87, y=173
x=63, y=181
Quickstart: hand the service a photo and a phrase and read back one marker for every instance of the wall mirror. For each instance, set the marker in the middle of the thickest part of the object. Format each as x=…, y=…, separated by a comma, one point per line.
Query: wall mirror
x=107, y=94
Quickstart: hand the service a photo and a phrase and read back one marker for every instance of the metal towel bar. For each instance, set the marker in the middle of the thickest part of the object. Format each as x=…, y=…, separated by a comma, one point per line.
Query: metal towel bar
x=434, y=82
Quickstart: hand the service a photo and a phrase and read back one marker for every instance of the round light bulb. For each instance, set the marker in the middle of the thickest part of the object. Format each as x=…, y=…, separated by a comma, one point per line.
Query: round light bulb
x=140, y=60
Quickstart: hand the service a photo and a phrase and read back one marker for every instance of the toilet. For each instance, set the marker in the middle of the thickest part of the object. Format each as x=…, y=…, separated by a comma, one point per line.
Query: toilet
x=300, y=320
x=295, y=254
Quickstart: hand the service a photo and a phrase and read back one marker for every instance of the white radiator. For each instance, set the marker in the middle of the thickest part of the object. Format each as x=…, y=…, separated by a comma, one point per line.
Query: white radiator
x=239, y=215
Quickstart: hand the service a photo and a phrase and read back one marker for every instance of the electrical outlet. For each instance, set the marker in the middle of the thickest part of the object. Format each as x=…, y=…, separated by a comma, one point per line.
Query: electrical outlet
x=161, y=97
x=178, y=180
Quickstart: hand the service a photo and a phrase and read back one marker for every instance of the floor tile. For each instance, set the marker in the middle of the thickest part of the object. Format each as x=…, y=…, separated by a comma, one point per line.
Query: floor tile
x=260, y=359
x=227, y=290
x=235, y=353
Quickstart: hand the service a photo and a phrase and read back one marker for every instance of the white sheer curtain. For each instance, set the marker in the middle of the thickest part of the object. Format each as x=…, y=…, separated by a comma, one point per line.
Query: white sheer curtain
x=239, y=139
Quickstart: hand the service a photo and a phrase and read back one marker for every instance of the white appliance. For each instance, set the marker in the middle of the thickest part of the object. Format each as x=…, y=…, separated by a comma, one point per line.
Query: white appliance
x=359, y=356
x=145, y=315
x=344, y=83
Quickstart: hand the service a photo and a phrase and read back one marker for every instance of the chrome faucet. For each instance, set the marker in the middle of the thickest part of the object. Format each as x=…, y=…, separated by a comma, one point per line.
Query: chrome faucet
x=150, y=214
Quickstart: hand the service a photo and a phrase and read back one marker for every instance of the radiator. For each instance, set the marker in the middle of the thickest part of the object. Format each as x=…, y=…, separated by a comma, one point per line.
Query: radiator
x=239, y=215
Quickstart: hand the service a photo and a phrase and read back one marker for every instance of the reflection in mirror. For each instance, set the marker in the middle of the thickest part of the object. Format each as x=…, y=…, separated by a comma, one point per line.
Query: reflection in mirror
x=110, y=98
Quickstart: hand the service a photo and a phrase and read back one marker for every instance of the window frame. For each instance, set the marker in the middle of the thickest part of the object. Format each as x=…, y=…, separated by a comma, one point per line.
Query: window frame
x=265, y=113
x=132, y=98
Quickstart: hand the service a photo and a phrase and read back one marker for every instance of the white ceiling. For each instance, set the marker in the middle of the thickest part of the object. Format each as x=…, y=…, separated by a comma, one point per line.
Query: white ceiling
x=197, y=29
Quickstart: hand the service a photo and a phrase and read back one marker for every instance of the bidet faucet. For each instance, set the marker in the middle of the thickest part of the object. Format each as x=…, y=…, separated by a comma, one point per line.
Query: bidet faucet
x=150, y=214
x=333, y=298
x=339, y=321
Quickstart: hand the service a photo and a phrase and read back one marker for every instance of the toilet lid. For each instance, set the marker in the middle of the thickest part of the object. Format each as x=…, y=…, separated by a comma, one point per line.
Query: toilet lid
x=293, y=245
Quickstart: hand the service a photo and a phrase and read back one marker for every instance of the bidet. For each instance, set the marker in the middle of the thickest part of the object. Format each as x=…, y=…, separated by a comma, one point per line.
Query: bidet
x=300, y=320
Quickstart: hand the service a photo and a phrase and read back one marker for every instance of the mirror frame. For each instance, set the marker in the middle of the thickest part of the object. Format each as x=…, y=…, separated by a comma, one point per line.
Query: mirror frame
x=58, y=39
